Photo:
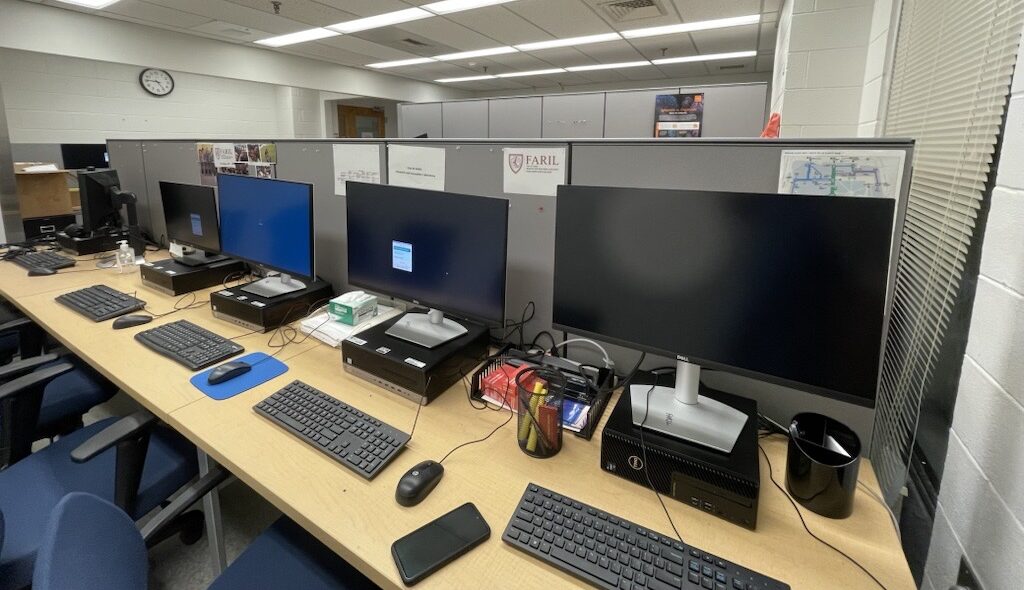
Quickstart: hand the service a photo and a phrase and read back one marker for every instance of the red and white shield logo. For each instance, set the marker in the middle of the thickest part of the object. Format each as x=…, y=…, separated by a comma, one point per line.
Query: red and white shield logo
x=515, y=162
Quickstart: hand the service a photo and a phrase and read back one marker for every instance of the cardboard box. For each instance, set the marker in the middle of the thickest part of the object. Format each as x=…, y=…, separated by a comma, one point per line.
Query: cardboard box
x=41, y=194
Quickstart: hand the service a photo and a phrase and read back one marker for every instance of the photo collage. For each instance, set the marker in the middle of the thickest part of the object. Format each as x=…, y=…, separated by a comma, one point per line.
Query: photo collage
x=247, y=159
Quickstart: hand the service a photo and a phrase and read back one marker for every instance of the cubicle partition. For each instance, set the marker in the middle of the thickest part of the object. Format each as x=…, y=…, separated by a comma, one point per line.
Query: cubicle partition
x=477, y=167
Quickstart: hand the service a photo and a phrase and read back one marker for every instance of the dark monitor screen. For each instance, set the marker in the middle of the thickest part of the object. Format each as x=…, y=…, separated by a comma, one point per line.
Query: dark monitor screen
x=267, y=222
x=786, y=288
x=77, y=156
x=190, y=212
x=98, y=210
x=442, y=250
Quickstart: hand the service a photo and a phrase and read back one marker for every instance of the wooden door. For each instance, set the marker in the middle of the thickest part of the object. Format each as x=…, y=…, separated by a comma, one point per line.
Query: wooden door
x=360, y=122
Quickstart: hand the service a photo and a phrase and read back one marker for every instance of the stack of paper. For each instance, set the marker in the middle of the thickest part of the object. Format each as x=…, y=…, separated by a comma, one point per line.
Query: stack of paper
x=324, y=328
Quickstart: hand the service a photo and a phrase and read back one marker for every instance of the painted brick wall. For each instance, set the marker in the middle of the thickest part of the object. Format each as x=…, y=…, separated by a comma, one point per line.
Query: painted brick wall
x=981, y=500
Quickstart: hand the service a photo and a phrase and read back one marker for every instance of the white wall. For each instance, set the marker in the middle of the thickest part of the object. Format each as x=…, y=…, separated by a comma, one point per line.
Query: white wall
x=877, y=68
x=981, y=499
x=56, y=99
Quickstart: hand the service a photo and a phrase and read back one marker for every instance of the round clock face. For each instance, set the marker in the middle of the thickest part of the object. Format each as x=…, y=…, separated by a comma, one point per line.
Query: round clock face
x=156, y=82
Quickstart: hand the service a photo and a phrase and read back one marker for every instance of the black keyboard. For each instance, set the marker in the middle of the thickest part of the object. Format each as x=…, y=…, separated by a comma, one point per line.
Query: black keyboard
x=353, y=438
x=190, y=345
x=100, y=302
x=611, y=552
x=50, y=260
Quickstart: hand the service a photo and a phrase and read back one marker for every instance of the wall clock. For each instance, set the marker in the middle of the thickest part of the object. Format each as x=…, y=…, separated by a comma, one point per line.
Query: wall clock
x=156, y=82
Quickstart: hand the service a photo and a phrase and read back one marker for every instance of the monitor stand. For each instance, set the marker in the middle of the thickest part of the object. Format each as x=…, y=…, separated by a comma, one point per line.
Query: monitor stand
x=273, y=286
x=429, y=330
x=679, y=412
x=199, y=258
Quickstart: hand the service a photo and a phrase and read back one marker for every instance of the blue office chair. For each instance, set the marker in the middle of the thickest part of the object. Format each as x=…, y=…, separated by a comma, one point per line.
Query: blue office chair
x=132, y=461
x=90, y=544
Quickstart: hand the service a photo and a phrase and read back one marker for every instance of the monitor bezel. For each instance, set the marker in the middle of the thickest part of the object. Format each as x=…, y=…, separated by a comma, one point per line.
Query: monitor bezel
x=216, y=212
x=454, y=312
x=312, y=237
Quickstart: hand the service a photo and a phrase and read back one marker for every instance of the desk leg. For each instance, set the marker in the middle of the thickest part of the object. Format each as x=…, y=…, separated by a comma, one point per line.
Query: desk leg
x=214, y=529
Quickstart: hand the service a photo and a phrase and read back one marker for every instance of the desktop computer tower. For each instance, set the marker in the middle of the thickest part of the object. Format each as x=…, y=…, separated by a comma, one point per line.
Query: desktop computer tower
x=725, y=485
x=262, y=314
x=102, y=242
x=173, y=278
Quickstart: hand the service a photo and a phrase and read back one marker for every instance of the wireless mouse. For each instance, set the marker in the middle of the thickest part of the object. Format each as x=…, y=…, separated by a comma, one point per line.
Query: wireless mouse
x=129, y=321
x=40, y=271
x=227, y=372
x=418, y=482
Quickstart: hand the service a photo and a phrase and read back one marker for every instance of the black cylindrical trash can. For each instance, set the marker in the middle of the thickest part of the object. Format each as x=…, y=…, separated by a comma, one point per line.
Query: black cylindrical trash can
x=823, y=461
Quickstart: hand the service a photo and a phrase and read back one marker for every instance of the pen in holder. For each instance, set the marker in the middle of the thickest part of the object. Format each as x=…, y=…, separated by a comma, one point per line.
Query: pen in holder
x=540, y=393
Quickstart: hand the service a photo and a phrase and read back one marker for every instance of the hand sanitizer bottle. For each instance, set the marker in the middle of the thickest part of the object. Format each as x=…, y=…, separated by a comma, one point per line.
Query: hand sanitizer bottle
x=125, y=257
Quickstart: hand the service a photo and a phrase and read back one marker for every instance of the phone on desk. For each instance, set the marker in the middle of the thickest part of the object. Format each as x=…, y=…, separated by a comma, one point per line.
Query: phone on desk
x=437, y=543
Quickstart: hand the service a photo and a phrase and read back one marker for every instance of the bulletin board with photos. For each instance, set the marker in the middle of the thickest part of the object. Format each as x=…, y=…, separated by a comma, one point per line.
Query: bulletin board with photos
x=246, y=159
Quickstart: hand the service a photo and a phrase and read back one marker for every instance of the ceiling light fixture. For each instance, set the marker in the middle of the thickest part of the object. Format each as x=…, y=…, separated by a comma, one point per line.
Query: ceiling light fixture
x=708, y=57
x=625, y=64
x=466, y=79
x=297, y=37
x=705, y=25
x=476, y=53
x=567, y=42
x=90, y=3
x=401, y=62
x=450, y=6
x=532, y=73
x=381, y=20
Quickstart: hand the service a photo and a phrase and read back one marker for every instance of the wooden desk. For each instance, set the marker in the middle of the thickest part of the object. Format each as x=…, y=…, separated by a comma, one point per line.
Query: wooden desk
x=359, y=519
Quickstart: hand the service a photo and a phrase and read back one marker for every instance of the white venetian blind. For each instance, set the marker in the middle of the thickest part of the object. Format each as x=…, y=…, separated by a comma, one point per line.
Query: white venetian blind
x=951, y=76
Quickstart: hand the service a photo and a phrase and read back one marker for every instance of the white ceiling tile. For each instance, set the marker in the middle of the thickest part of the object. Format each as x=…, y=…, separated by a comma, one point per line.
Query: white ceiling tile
x=450, y=33
x=611, y=52
x=723, y=40
x=310, y=12
x=154, y=13
x=561, y=18
x=375, y=51
x=229, y=12
x=769, y=32
x=672, y=45
x=697, y=10
x=564, y=56
x=520, y=62
x=684, y=70
x=501, y=24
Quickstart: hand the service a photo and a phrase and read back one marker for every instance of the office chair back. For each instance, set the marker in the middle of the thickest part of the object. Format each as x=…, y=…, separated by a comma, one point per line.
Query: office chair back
x=90, y=544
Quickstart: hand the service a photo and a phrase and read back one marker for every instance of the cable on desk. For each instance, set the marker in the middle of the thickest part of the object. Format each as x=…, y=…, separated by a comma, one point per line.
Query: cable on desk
x=194, y=304
x=792, y=502
x=530, y=309
x=489, y=434
x=643, y=450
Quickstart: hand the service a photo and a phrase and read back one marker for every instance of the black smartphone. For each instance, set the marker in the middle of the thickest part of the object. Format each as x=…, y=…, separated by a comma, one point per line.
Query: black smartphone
x=437, y=543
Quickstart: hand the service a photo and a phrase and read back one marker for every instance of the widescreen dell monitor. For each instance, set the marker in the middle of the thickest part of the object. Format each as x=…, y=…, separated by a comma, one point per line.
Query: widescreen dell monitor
x=78, y=156
x=190, y=214
x=95, y=191
x=444, y=251
x=269, y=223
x=784, y=288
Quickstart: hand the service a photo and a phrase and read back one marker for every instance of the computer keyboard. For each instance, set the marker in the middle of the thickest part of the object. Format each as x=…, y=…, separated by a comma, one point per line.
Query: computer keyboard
x=100, y=302
x=50, y=260
x=353, y=438
x=613, y=553
x=188, y=344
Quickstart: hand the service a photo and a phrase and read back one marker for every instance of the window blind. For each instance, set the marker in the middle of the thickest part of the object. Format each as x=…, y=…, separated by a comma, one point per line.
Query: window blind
x=951, y=76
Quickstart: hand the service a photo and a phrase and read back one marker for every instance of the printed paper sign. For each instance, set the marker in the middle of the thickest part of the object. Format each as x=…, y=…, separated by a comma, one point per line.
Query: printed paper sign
x=534, y=171
x=357, y=162
x=416, y=167
x=842, y=173
x=223, y=154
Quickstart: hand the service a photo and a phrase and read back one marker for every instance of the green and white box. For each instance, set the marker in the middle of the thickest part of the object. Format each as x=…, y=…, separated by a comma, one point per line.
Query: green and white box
x=353, y=308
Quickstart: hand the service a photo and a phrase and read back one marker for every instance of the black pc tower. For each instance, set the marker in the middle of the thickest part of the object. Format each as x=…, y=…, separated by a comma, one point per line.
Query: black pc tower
x=442, y=251
x=788, y=289
x=191, y=219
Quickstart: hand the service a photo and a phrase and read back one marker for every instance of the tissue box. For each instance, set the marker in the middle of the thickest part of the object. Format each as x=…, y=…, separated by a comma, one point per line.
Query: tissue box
x=353, y=308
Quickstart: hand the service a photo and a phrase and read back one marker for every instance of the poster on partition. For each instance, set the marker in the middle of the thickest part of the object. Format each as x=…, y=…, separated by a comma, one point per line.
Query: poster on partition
x=679, y=115
x=357, y=162
x=533, y=171
x=247, y=159
x=842, y=173
x=416, y=166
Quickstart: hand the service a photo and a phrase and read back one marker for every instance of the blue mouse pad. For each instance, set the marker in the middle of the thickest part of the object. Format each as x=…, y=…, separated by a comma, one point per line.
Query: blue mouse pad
x=264, y=368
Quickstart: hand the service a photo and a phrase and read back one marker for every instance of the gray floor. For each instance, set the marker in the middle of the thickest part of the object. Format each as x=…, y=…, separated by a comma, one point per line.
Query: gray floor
x=174, y=566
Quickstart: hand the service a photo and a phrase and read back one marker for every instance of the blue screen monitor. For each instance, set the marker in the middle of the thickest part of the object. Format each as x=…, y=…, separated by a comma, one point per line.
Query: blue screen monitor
x=267, y=222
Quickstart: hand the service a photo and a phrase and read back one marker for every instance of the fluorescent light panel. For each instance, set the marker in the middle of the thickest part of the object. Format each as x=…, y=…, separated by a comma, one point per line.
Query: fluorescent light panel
x=532, y=73
x=401, y=62
x=90, y=3
x=381, y=20
x=625, y=64
x=567, y=42
x=465, y=79
x=450, y=6
x=297, y=37
x=476, y=53
x=708, y=57
x=705, y=25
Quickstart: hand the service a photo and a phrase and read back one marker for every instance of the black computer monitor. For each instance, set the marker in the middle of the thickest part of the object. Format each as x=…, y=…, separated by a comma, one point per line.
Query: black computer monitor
x=268, y=222
x=190, y=214
x=442, y=250
x=78, y=156
x=98, y=209
x=784, y=288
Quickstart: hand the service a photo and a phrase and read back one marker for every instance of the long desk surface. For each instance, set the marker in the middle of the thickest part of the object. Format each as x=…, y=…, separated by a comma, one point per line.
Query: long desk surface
x=360, y=519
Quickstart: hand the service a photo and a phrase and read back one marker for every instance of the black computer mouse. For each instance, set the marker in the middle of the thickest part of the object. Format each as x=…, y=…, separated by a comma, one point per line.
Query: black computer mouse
x=418, y=482
x=130, y=321
x=40, y=271
x=227, y=372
